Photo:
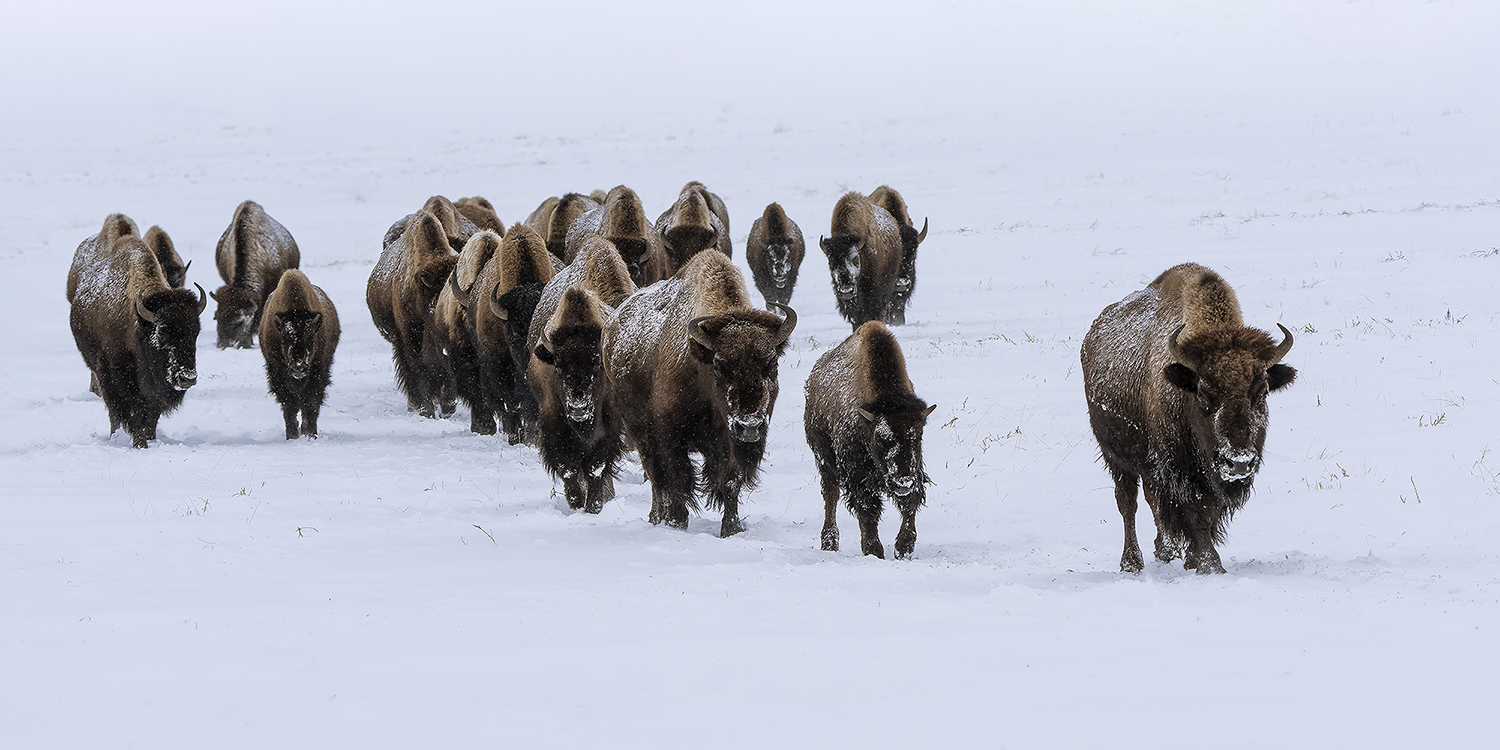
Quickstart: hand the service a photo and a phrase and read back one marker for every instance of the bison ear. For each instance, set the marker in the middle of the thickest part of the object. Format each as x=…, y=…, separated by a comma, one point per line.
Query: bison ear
x=1181, y=376
x=1279, y=376
x=544, y=354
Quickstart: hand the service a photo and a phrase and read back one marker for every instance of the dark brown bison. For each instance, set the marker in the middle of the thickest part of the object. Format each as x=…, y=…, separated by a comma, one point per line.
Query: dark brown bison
x=1176, y=386
x=506, y=295
x=172, y=267
x=775, y=251
x=864, y=252
x=138, y=335
x=579, y=428
x=696, y=222
x=864, y=423
x=453, y=327
x=298, y=333
x=886, y=197
x=621, y=220
x=692, y=368
x=556, y=214
x=252, y=253
x=401, y=292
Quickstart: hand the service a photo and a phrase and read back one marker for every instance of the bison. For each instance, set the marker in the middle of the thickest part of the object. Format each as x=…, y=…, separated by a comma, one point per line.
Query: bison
x=579, y=428
x=479, y=211
x=886, y=197
x=864, y=423
x=1176, y=387
x=453, y=327
x=510, y=285
x=553, y=218
x=696, y=222
x=137, y=334
x=864, y=252
x=298, y=333
x=621, y=220
x=252, y=253
x=692, y=368
x=400, y=294
x=172, y=267
x=775, y=251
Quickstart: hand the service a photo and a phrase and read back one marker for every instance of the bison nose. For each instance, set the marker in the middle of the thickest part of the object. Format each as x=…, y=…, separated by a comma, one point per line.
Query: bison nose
x=903, y=485
x=1236, y=465
x=184, y=379
x=298, y=370
x=747, y=429
x=580, y=411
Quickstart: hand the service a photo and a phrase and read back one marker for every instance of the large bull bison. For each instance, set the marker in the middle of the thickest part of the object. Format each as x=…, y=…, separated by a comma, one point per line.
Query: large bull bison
x=553, y=218
x=864, y=423
x=865, y=251
x=138, y=335
x=400, y=294
x=692, y=365
x=453, y=327
x=621, y=220
x=696, y=222
x=579, y=427
x=886, y=197
x=457, y=226
x=298, y=333
x=252, y=253
x=775, y=251
x=1176, y=386
x=506, y=295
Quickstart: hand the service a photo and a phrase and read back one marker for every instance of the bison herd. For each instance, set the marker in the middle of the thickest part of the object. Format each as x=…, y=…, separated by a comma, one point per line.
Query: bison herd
x=588, y=331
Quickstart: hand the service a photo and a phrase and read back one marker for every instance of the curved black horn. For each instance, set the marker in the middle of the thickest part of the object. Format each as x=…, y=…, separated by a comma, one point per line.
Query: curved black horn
x=695, y=331
x=789, y=324
x=458, y=292
x=142, y=312
x=922, y=235
x=202, y=298
x=1282, y=348
x=495, y=306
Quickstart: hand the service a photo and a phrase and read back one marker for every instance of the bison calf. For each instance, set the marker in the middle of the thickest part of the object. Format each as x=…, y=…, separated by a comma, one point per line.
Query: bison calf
x=298, y=333
x=864, y=423
x=1176, y=387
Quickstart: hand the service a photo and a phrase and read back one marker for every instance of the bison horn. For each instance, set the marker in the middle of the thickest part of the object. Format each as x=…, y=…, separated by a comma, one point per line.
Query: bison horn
x=695, y=331
x=789, y=324
x=186, y=266
x=1281, y=349
x=143, y=313
x=870, y=417
x=922, y=235
x=495, y=306
x=202, y=298
x=458, y=292
x=1174, y=350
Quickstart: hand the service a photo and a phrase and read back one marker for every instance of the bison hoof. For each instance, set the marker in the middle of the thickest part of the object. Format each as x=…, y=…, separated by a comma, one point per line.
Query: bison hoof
x=831, y=540
x=730, y=527
x=876, y=549
x=1132, y=563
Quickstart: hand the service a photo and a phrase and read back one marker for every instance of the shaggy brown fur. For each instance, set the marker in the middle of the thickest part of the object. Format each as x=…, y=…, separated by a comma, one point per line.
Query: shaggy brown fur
x=506, y=284
x=457, y=227
x=598, y=270
x=454, y=330
x=481, y=213
x=691, y=226
x=886, y=197
x=252, y=253
x=401, y=292
x=553, y=218
x=298, y=334
x=621, y=220
x=137, y=334
x=172, y=267
x=775, y=251
x=864, y=258
x=692, y=368
x=1176, y=388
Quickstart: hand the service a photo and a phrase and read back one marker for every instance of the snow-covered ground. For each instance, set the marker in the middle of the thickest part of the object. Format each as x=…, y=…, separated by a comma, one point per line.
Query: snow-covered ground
x=401, y=582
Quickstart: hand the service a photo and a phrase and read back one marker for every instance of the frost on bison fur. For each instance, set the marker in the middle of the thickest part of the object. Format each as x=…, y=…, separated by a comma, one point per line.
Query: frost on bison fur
x=401, y=293
x=886, y=197
x=864, y=423
x=775, y=251
x=453, y=329
x=864, y=252
x=172, y=267
x=298, y=334
x=621, y=220
x=555, y=216
x=251, y=255
x=137, y=335
x=693, y=369
x=1176, y=387
x=696, y=222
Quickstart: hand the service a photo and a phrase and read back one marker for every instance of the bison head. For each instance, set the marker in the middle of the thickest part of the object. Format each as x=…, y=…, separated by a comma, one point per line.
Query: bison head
x=743, y=348
x=299, y=335
x=894, y=441
x=578, y=372
x=779, y=263
x=843, y=253
x=1229, y=372
x=167, y=323
x=236, y=316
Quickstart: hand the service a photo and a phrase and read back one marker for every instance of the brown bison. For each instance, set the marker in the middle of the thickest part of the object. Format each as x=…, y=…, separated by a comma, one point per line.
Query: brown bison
x=137, y=334
x=553, y=218
x=621, y=220
x=775, y=251
x=886, y=197
x=453, y=327
x=864, y=423
x=579, y=429
x=864, y=252
x=506, y=295
x=481, y=213
x=252, y=253
x=1176, y=387
x=457, y=226
x=692, y=368
x=696, y=222
x=172, y=267
x=298, y=333
x=401, y=292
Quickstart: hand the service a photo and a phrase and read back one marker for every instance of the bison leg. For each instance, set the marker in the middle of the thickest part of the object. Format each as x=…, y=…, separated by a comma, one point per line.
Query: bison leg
x=1167, y=546
x=906, y=538
x=828, y=477
x=289, y=416
x=481, y=419
x=574, y=489
x=866, y=507
x=672, y=480
x=601, y=489
x=310, y=419
x=1131, y=560
x=1201, y=555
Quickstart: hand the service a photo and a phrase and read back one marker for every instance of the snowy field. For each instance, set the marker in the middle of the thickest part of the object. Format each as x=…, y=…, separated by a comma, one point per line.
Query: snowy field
x=401, y=582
